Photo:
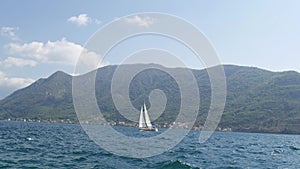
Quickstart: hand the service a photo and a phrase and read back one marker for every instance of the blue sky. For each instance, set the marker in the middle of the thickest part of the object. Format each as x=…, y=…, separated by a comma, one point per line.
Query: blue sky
x=40, y=37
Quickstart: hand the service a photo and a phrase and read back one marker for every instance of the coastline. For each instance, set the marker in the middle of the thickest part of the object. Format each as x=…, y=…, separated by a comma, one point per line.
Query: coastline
x=194, y=128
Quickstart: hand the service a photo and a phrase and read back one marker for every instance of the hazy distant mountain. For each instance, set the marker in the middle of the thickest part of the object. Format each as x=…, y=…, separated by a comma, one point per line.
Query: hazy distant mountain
x=257, y=100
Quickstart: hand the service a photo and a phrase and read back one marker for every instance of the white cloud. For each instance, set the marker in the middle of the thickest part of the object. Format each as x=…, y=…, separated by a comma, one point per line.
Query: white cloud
x=140, y=21
x=61, y=51
x=18, y=62
x=83, y=20
x=13, y=83
x=9, y=32
x=97, y=21
x=89, y=59
x=80, y=20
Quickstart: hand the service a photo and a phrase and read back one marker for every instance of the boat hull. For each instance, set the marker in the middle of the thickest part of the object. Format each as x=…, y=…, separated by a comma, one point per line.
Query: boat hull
x=148, y=129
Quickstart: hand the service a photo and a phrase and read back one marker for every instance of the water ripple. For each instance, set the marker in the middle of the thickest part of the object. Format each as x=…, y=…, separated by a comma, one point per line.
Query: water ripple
x=41, y=145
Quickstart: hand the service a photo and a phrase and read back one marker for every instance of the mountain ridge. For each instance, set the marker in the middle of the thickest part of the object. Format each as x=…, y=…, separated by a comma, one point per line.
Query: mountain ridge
x=258, y=100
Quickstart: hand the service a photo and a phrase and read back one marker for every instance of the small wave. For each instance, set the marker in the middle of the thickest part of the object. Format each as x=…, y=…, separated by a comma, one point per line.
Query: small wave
x=276, y=151
x=176, y=164
x=80, y=159
x=294, y=148
x=29, y=139
x=80, y=152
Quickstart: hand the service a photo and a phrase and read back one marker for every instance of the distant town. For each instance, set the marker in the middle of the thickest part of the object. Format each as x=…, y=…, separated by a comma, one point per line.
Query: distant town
x=112, y=123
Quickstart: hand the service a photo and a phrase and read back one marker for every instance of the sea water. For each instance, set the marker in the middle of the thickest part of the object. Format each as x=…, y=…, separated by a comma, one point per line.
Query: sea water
x=44, y=145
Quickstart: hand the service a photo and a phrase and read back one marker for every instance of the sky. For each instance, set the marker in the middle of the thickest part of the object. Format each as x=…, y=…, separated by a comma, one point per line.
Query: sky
x=38, y=38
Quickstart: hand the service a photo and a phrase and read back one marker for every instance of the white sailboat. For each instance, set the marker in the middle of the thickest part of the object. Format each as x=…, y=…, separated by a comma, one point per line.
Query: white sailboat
x=144, y=121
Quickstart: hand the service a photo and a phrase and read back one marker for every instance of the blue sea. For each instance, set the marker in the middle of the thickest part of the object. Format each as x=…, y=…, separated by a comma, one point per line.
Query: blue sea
x=45, y=145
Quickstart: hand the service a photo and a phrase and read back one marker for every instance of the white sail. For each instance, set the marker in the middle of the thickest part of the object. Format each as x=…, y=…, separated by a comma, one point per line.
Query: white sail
x=147, y=118
x=142, y=120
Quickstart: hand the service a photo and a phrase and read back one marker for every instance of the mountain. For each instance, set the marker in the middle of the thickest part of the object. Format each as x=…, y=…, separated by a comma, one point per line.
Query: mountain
x=49, y=98
x=257, y=100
